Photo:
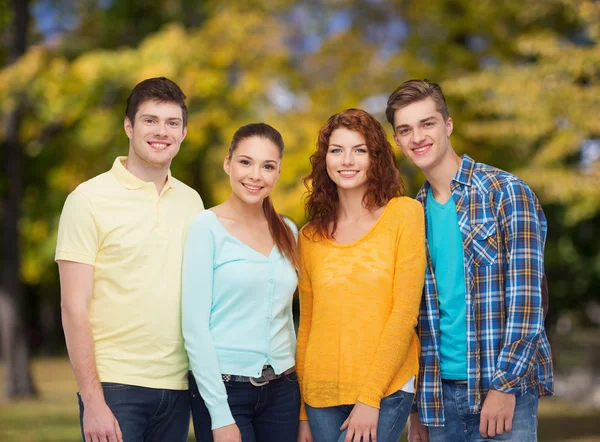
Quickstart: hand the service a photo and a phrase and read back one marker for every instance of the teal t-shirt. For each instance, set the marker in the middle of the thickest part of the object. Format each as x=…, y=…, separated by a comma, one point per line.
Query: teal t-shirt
x=447, y=256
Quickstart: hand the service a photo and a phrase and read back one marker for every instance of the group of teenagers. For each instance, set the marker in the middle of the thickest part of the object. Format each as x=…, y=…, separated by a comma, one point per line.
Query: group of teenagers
x=427, y=311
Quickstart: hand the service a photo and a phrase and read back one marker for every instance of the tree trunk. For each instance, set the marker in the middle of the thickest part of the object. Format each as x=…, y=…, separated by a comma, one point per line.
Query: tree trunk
x=15, y=350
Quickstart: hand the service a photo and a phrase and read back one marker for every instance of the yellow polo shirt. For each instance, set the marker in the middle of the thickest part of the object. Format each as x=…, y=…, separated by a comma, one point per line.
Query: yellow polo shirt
x=134, y=238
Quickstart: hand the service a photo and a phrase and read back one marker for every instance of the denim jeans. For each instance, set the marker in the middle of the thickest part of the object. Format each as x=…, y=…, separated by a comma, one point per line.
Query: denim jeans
x=146, y=414
x=268, y=413
x=461, y=425
x=394, y=409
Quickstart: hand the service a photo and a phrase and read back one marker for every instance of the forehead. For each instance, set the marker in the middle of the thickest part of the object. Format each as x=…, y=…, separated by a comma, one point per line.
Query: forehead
x=415, y=112
x=342, y=136
x=258, y=148
x=164, y=109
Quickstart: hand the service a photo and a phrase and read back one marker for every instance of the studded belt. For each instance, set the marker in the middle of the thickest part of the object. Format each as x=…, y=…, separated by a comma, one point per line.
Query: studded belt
x=267, y=375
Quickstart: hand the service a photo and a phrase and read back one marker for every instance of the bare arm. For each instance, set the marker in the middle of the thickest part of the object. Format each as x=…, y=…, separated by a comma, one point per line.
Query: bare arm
x=76, y=286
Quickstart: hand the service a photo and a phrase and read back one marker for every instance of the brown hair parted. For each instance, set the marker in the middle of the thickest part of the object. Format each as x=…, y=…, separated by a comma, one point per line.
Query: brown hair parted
x=383, y=177
x=160, y=89
x=282, y=234
x=412, y=91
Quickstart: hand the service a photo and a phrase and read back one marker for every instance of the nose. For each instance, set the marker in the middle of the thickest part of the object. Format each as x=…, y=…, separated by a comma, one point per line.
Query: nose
x=160, y=130
x=348, y=158
x=418, y=136
x=255, y=173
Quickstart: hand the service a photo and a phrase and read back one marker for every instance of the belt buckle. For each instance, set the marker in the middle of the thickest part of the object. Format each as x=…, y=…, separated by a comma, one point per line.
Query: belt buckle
x=254, y=382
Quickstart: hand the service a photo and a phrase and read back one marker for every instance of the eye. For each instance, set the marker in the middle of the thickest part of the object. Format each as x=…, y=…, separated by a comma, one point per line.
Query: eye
x=361, y=150
x=429, y=124
x=173, y=123
x=403, y=131
x=245, y=162
x=335, y=150
x=148, y=120
x=269, y=167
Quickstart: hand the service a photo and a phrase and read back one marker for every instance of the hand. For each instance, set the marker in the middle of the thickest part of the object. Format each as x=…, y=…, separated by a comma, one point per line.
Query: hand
x=99, y=423
x=497, y=413
x=362, y=422
x=304, y=433
x=228, y=433
x=417, y=432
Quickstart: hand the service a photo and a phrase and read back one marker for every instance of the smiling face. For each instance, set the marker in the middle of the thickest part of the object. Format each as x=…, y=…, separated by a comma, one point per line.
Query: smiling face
x=422, y=134
x=253, y=169
x=156, y=134
x=347, y=159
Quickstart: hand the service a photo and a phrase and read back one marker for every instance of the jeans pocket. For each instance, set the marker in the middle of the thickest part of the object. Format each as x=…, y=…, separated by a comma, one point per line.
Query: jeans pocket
x=291, y=377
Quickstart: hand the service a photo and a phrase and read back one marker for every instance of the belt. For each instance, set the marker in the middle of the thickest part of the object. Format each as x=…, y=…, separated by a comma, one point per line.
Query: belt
x=267, y=375
x=455, y=381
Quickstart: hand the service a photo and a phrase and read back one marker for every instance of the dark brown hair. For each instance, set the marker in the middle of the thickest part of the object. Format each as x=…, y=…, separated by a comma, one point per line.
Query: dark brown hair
x=412, y=91
x=383, y=177
x=281, y=232
x=160, y=89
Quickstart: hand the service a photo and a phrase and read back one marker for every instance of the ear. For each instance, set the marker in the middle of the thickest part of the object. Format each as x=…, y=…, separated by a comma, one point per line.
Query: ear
x=227, y=165
x=396, y=138
x=449, y=126
x=128, y=128
x=184, y=133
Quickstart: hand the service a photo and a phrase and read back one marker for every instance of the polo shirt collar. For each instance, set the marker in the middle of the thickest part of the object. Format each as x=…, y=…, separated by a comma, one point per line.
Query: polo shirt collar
x=130, y=181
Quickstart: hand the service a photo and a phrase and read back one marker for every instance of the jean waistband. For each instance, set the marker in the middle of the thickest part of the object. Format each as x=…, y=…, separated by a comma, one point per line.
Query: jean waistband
x=267, y=375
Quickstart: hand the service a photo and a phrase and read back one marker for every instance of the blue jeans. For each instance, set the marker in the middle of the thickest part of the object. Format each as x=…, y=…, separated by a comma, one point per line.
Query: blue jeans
x=461, y=425
x=394, y=409
x=263, y=414
x=146, y=414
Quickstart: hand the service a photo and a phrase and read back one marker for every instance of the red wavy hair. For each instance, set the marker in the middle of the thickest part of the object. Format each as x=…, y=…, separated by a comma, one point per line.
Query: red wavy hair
x=383, y=178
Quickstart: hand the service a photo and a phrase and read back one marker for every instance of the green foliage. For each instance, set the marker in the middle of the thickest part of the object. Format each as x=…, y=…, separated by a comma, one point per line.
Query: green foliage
x=521, y=76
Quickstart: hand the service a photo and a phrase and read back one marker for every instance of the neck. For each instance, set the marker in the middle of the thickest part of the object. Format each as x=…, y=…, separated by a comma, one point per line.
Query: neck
x=441, y=175
x=147, y=172
x=351, y=203
x=244, y=212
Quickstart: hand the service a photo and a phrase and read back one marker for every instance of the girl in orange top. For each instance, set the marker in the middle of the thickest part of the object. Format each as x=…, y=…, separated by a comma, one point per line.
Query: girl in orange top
x=362, y=266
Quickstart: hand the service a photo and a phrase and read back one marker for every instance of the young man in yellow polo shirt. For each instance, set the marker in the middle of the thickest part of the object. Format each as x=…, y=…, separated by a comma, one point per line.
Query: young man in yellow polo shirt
x=119, y=252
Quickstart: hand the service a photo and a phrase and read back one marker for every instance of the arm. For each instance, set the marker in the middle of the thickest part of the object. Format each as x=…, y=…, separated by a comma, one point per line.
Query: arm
x=409, y=274
x=524, y=236
x=77, y=240
x=306, y=306
x=197, y=284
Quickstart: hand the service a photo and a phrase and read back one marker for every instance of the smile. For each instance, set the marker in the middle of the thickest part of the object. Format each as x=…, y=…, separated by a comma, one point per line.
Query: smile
x=419, y=150
x=158, y=145
x=348, y=173
x=252, y=189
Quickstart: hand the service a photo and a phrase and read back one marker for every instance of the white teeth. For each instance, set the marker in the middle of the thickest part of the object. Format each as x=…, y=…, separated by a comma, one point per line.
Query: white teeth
x=420, y=149
x=348, y=172
x=250, y=187
x=158, y=145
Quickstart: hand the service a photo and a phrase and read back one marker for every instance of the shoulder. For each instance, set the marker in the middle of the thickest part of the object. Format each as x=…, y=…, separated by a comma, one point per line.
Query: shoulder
x=93, y=188
x=509, y=186
x=187, y=192
x=291, y=225
x=205, y=221
x=405, y=207
x=488, y=178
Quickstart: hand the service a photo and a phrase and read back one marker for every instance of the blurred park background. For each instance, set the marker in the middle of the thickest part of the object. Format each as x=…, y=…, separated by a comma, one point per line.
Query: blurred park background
x=522, y=79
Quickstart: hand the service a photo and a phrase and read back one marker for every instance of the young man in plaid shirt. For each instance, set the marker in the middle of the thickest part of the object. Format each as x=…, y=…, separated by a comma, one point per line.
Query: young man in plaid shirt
x=485, y=357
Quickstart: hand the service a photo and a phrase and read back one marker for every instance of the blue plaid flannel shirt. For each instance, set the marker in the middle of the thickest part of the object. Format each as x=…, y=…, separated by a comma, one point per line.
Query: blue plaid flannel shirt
x=503, y=229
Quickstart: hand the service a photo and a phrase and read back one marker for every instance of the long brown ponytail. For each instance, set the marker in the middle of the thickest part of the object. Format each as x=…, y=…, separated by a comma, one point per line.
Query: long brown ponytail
x=281, y=232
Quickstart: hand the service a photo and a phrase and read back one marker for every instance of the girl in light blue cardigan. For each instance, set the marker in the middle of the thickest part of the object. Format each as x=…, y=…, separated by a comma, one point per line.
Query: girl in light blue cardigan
x=239, y=277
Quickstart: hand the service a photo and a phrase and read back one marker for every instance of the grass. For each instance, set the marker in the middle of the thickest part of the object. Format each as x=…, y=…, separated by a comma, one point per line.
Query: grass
x=54, y=416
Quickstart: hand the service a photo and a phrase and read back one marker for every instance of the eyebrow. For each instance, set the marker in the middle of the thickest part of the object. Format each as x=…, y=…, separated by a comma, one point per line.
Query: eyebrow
x=250, y=158
x=358, y=145
x=420, y=122
x=156, y=117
